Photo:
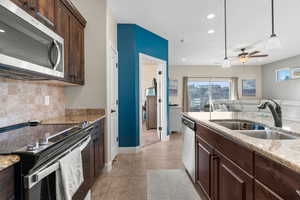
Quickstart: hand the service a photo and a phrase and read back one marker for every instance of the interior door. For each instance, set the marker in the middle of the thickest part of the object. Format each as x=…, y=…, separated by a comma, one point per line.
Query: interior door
x=113, y=104
x=162, y=124
x=159, y=78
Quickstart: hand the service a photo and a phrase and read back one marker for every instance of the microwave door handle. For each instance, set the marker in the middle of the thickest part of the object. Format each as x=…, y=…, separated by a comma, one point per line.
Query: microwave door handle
x=58, y=56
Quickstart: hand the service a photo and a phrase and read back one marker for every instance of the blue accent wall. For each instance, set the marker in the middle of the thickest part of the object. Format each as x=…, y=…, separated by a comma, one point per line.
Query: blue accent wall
x=132, y=40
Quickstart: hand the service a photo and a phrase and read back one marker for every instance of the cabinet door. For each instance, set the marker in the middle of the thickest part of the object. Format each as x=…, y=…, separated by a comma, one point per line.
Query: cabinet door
x=99, y=148
x=77, y=50
x=45, y=12
x=20, y=3
x=62, y=26
x=204, y=156
x=28, y=5
x=264, y=193
x=232, y=183
x=7, y=184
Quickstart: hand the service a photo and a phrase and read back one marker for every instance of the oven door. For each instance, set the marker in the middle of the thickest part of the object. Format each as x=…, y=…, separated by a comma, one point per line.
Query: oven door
x=41, y=185
x=26, y=45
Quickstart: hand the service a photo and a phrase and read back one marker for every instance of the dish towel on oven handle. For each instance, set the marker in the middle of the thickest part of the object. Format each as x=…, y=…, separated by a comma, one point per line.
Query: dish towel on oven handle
x=70, y=175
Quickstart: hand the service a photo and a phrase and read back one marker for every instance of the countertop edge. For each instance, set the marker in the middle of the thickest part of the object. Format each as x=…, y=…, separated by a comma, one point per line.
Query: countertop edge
x=62, y=120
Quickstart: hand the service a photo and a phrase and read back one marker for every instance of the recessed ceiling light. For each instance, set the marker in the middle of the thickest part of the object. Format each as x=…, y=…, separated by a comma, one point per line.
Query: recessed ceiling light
x=211, y=16
x=211, y=31
x=183, y=59
x=2, y=31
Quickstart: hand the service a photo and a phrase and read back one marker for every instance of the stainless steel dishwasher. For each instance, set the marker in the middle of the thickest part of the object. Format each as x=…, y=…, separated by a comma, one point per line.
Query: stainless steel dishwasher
x=188, y=151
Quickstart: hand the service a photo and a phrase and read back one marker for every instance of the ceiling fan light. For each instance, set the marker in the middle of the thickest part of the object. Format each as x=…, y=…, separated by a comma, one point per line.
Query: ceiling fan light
x=273, y=43
x=226, y=63
x=243, y=59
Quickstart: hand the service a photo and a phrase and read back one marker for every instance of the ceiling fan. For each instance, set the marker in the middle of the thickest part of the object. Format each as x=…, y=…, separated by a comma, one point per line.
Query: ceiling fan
x=245, y=56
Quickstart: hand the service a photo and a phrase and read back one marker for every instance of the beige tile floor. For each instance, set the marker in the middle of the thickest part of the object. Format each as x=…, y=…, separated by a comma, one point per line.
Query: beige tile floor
x=128, y=178
x=149, y=136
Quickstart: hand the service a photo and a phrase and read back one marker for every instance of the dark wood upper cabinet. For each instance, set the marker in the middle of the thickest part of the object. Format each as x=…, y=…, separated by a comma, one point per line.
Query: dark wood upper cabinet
x=204, y=156
x=76, y=51
x=71, y=28
x=20, y=3
x=45, y=12
x=28, y=5
x=62, y=27
x=62, y=17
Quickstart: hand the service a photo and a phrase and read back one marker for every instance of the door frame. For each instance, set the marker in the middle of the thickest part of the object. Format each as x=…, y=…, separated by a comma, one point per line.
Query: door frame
x=164, y=133
x=109, y=140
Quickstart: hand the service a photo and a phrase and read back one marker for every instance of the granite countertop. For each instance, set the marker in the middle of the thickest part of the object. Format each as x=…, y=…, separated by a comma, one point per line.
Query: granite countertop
x=74, y=119
x=286, y=152
x=7, y=161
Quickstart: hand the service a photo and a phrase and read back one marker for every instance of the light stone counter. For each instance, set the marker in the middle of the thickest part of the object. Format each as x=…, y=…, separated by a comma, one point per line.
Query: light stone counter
x=286, y=152
x=7, y=161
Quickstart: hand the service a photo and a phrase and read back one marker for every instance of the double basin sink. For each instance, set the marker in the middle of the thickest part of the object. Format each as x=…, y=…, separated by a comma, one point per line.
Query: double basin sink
x=256, y=130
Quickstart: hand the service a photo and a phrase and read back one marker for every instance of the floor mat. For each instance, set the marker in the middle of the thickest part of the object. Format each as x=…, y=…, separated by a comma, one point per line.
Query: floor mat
x=170, y=185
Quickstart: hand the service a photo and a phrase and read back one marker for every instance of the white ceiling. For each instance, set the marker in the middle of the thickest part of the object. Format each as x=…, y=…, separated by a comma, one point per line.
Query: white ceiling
x=249, y=21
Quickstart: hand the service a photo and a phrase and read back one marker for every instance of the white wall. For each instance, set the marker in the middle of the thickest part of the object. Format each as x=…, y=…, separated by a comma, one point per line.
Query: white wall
x=111, y=29
x=243, y=72
x=93, y=93
x=288, y=90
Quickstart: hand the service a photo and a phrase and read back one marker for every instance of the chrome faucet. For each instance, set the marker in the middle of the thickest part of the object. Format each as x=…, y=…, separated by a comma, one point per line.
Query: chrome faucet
x=276, y=112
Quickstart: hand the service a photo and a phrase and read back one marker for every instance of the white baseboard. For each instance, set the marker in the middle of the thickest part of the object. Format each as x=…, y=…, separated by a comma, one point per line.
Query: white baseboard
x=108, y=166
x=164, y=139
x=129, y=149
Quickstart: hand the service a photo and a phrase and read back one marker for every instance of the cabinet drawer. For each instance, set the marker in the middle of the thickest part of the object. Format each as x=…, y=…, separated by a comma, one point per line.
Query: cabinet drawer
x=280, y=179
x=242, y=156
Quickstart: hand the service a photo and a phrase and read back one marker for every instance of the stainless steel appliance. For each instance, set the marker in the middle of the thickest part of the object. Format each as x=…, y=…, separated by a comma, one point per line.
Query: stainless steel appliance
x=28, y=48
x=39, y=161
x=188, y=151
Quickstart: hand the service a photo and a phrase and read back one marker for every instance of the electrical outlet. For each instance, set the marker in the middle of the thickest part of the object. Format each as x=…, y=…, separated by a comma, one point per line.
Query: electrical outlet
x=47, y=100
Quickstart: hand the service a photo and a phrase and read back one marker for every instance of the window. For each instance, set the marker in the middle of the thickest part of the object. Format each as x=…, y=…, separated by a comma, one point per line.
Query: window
x=249, y=88
x=202, y=92
x=283, y=74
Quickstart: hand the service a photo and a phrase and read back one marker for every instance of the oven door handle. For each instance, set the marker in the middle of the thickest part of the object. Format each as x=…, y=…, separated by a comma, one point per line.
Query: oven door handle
x=33, y=179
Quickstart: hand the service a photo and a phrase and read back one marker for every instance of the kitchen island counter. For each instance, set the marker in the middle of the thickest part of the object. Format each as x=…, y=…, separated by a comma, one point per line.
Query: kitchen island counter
x=285, y=152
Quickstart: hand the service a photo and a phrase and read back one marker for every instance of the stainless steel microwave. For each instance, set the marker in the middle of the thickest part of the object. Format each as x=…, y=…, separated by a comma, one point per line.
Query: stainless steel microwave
x=26, y=45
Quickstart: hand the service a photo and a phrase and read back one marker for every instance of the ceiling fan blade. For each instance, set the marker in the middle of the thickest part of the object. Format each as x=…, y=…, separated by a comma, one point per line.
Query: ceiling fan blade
x=259, y=56
x=253, y=53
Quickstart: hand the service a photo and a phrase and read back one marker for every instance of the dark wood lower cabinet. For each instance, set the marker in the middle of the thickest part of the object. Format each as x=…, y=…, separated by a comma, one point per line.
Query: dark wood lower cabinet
x=264, y=193
x=229, y=171
x=7, y=184
x=204, y=168
x=88, y=176
x=92, y=159
x=231, y=182
x=98, y=153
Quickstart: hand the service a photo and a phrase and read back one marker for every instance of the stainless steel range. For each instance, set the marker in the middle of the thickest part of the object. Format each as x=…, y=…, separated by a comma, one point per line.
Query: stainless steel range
x=40, y=159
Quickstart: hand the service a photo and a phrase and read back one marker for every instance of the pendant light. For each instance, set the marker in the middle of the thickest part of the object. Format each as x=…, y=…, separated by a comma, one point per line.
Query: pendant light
x=226, y=62
x=274, y=41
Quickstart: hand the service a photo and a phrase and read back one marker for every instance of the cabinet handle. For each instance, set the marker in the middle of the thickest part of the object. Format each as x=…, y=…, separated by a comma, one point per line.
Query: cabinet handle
x=298, y=192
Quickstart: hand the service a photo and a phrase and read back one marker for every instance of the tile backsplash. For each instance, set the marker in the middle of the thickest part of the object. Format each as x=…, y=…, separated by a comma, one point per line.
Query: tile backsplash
x=21, y=101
